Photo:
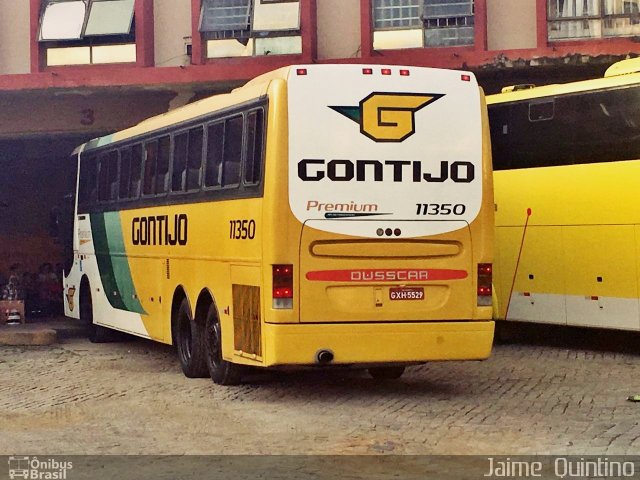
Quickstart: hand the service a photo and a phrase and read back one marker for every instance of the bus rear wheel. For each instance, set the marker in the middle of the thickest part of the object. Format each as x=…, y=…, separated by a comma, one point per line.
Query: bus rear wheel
x=97, y=334
x=386, y=373
x=221, y=371
x=189, y=343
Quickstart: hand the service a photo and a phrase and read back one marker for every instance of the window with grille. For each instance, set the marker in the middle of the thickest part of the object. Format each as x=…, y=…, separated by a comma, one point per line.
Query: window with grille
x=250, y=27
x=422, y=23
x=571, y=19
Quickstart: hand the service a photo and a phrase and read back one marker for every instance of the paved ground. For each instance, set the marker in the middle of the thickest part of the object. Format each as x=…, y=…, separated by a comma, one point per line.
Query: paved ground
x=126, y=398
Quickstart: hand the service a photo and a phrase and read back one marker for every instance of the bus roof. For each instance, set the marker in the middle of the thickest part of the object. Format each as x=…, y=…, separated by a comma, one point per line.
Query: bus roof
x=251, y=90
x=255, y=88
x=620, y=74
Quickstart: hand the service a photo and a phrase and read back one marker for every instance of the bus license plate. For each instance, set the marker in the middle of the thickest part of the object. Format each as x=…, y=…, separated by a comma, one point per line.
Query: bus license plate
x=406, y=293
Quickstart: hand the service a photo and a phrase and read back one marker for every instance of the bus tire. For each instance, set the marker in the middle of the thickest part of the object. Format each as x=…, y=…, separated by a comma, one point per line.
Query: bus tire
x=221, y=371
x=386, y=373
x=189, y=343
x=96, y=333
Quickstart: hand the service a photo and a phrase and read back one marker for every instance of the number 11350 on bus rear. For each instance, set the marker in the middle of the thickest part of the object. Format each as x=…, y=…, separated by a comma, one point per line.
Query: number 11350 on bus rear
x=319, y=215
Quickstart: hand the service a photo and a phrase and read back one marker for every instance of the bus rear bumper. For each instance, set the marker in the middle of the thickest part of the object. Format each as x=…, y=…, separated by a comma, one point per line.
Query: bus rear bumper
x=374, y=343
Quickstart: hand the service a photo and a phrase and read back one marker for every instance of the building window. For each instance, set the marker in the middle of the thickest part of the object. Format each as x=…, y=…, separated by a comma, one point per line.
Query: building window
x=81, y=32
x=576, y=19
x=422, y=23
x=236, y=28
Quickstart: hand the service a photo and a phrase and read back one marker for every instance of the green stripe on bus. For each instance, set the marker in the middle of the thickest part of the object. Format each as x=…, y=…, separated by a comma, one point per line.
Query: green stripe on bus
x=120, y=264
x=103, y=256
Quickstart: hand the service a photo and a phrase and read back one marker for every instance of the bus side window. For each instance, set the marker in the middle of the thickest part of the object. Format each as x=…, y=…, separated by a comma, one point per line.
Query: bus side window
x=255, y=142
x=541, y=110
x=103, y=178
x=125, y=172
x=112, y=159
x=108, y=177
x=88, y=180
x=180, y=146
x=215, y=145
x=232, y=151
x=194, y=163
x=150, y=161
x=136, y=171
x=162, y=171
x=503, y=135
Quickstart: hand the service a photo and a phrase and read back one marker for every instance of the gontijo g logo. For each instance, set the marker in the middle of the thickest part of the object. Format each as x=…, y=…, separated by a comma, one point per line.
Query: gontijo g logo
x=388, y=117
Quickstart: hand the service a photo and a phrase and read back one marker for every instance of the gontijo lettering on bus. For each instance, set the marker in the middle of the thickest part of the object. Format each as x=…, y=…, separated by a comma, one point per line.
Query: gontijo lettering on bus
x=160, y=230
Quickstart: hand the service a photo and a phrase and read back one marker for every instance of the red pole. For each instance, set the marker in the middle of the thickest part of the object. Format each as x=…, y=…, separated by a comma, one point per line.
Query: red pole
x=515, y=273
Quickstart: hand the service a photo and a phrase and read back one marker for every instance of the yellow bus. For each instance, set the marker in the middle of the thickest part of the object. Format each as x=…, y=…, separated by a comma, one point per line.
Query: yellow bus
x=319, y=215
x=566, y=160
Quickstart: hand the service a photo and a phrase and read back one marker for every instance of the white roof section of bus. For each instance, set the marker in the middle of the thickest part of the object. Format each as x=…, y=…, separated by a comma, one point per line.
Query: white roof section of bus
x=338, y=115
x=619, y=74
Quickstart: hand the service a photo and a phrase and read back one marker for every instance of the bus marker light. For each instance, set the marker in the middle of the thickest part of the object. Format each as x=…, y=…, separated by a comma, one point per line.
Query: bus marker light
x=301, y=71
x=367, y=71
x=594, y=298
x=485, y=269
x=465, y=78
x=405, y=73
x=386, y=71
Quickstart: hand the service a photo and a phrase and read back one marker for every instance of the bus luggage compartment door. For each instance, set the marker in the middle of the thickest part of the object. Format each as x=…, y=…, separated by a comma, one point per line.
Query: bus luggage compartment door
x=349, y=279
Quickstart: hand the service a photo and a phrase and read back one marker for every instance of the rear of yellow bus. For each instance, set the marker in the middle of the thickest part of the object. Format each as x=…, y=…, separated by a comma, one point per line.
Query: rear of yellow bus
x=378, y=218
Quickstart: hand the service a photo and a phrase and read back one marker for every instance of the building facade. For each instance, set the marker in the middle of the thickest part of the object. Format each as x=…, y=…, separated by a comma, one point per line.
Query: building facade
x=71, y=70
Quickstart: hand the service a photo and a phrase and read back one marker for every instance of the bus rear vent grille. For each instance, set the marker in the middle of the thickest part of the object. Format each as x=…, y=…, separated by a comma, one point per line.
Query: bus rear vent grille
x=246, y=319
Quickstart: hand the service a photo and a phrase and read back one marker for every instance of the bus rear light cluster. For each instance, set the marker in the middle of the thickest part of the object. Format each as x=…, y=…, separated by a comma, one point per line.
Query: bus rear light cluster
x=386, y=71
x=282, y=287
x=485, y=278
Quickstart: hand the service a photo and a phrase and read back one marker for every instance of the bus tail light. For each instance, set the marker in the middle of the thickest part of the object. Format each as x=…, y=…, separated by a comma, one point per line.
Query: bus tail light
x=282, y=287
x=485, y=278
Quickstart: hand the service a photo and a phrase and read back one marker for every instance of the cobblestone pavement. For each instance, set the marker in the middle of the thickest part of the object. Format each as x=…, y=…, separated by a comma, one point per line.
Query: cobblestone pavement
x=131, y=398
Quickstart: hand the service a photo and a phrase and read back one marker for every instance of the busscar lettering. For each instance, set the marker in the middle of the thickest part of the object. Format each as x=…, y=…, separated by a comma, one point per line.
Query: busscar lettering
x=316, y=170
x=389, y=275
x=160, y=230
